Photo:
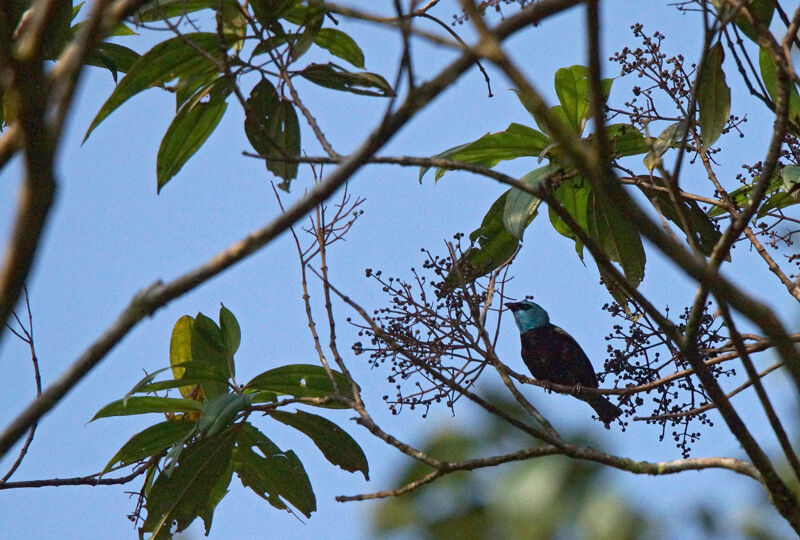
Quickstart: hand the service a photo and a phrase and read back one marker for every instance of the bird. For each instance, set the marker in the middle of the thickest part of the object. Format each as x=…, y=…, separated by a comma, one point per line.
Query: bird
x=552, y=355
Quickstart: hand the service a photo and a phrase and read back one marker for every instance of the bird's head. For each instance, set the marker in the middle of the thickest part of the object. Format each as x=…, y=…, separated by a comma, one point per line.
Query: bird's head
x=528, y=315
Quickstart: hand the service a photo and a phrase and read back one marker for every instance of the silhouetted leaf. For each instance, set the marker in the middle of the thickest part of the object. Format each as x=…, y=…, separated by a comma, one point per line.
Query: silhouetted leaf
x=618, y=237
x=158, y=10
x=332, y=76
x=273, y=130
x=114, y=57
x=336, y=445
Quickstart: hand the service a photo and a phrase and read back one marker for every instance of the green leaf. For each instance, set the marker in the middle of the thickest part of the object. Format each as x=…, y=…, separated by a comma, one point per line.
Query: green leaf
x=158, y=10
x=275, y=475
x=332, y=76
x=219, y=412
x=516, y=141
x=301, y=380
x=625, y=140
x=208, y=350
x=139, y=387
x=151, y=441
x=187, y=132
x=573, y=194
x=763, y=9
x=311, y=25
x=166, y=61
x=521, y=206
x=669, y=138
x=180, y=350
x=193, y=487
x=713, y=96
x=340, y=44
x=790, y=175
x=273, y=130
x=617, y=235
x=741, y=195
x=492, y=245
x=267, y=12
x=335, y=444
x=701, y=228
x=769, y=72
x=231, y=333
x=115, y=58
x=147, y=404
x=572, y=88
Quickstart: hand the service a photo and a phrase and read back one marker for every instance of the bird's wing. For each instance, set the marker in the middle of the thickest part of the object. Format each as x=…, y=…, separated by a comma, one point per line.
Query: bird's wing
x=573, y=358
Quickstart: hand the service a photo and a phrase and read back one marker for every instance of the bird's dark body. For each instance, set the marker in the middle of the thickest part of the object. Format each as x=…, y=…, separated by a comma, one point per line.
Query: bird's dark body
x=553, y=355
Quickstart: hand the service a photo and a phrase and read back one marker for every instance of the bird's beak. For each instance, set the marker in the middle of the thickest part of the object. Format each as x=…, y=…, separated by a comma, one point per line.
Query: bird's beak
x=512, y=305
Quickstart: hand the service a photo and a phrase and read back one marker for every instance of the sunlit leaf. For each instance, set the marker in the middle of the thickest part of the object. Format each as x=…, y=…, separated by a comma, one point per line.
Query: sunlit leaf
x=301, y=380
x=336, y=445
x=573, y=195
x=521, y=206
x=670, y=137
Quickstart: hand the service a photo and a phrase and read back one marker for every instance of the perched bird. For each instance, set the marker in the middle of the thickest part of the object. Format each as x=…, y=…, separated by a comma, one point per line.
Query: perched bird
x=553, y=355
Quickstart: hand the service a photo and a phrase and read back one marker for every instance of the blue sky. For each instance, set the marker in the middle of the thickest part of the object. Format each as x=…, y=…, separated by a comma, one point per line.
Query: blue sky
x=110, y=235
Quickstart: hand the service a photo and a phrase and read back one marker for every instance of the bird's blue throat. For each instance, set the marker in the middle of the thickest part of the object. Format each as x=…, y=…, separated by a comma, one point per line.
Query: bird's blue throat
x=529, y=315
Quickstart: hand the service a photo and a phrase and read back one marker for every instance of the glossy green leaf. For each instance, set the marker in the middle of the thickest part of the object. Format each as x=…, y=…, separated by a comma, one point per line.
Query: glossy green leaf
x=301, y=380
x=572, y=89
x=192, y=489
x=340, y=44
x=273, y=474
x=273, y=131
x=152, y=441
x=147, y=404
x=617, y=235
x=769, y=72
x=187, y=132
x=337, y=78
x=713, y=96
x=516, y=141
x=335, y=444
x=191, y=84
x=492, y=245
x=521, y=206
x=669, y=138
x=310, y=27
x=166, y=61
x=573, y=194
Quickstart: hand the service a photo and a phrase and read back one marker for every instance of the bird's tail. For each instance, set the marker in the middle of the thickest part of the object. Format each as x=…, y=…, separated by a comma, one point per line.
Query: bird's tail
x=606, y=410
